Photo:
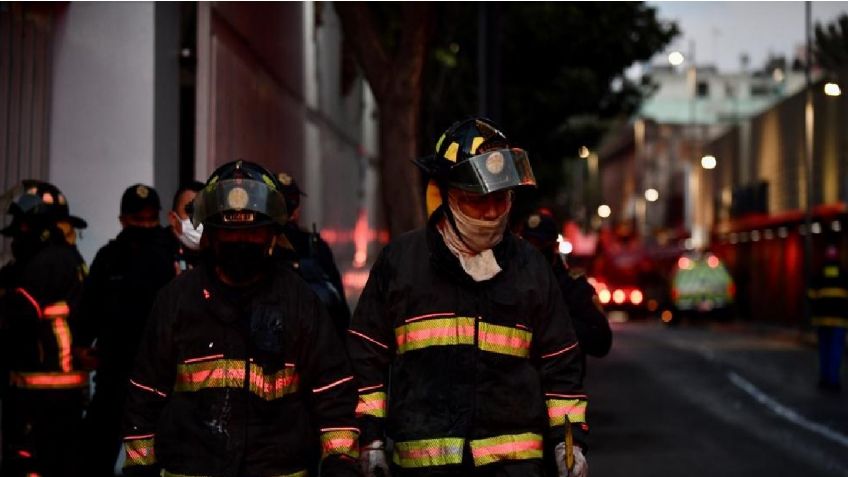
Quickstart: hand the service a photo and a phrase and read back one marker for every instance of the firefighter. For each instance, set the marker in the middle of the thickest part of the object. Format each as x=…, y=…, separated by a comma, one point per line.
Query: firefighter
x=123, y=281
x=187, y=236
x=829, y=306
x=43, y=390
x=240, y=371
x=462, y=346
x=590, y=322
x=310, y=256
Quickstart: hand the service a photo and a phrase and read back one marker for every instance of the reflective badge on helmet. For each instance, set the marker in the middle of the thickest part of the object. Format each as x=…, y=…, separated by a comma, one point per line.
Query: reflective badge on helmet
x=534, y=221
x=142, y=191
x=495, y=163
x=237, y=198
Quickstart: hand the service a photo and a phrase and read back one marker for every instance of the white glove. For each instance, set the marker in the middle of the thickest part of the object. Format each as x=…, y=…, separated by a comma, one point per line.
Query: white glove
x=372, y=458
x=581, y=468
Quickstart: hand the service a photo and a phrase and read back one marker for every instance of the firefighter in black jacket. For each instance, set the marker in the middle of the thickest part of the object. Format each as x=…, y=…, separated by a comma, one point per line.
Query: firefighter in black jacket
x=240, y=372
x=43, y=403
x=587, y=315
x=123, y=281
x=461, y=342
x=310, y=256
x=829, y=306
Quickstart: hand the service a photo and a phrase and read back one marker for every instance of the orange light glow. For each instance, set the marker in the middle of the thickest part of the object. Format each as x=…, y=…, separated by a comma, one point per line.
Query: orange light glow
x=604, y=295
x=618, y=296
x=636, y=297
x=666, y=316
x=712, y=261
x=684, y=263
x=652, y=305
x=360, y=240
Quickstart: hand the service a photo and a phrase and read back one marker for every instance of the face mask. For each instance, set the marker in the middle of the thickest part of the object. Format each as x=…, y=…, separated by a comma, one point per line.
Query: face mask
x=479, y=234
x=190, y=237
x=242, y=262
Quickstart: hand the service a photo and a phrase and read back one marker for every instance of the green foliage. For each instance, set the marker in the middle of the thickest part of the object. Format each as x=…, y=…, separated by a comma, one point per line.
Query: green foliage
x=558, y=61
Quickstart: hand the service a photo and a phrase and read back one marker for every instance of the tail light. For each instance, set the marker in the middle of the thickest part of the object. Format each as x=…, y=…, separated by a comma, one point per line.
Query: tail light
x=618, y=296
x=684, y=263
x=636, y=297
x=712, y=261
x=604, y=295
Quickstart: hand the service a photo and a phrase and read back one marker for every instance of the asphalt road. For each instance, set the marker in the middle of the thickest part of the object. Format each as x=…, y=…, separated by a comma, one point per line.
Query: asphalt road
x=712, y=401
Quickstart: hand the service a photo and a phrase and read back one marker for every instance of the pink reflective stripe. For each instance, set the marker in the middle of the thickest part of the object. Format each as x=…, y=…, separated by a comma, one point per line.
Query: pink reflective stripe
x=368, y=338
x=219, y=373
x=370, y=388
x=57, y=309
x=519, y=325
x=507, y=448
x=557, y=353
x=331, y=385
x=145, y=436
x=502, y=340
x=204, y=358
x=148, y=389
x=431, y=315
x=566, y=410
x=32, y=301
x=429, y=333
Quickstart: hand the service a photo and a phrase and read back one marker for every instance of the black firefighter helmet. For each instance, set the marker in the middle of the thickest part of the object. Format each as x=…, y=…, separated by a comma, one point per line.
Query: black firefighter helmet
x=40, y=203
x=240, y=194
x=475, y=156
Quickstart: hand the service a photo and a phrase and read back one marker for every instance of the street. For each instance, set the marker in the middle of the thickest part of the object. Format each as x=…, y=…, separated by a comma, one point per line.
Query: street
x=712, y=400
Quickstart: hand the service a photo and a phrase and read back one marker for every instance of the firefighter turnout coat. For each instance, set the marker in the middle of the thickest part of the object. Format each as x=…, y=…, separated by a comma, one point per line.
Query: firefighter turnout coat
x=240, y=383
x=454, y=370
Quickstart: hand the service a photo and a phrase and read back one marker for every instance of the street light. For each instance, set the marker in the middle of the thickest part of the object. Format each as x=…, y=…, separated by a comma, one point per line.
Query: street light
x=708, y=162
x=651, y=195
x=675, y=58
x=832, y=89
x=604, y=211
x=583, y=152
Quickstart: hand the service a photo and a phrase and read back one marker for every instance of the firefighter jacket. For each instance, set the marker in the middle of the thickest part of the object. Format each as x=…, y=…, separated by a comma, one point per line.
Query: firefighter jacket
x=35, y=334
x=450, y=368
x=590, y=323
x=122, y=283
x=829, y=296
x=233, y=382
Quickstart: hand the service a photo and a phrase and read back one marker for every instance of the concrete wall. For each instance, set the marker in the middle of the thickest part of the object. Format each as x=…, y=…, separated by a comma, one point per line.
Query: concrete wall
x=102, y=112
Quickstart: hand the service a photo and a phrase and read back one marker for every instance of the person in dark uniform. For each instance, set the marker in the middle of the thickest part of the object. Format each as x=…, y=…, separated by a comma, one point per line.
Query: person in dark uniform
x=240, y=371
x=463, y=347
x=590, y=322
x=310, y=256
x=829, y=306
x=43, y=389
x=184, y=232
x=125, y=276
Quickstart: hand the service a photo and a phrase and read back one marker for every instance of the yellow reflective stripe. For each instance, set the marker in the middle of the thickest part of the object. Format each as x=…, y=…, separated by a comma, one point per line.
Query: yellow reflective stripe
x=439, y=332
x=229, y=373
x=63, y=343
x=139, y=452
x=831, y=271
x=339, y=441
x=560, y=409
x=832, y=293
x=504, y=340
x=507, y=447
x=835, y=321
x=371, y=404
x=428, y=452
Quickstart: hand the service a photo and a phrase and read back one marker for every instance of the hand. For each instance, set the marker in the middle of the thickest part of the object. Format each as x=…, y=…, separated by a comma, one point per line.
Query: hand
x=581, y=468
x=372, y=458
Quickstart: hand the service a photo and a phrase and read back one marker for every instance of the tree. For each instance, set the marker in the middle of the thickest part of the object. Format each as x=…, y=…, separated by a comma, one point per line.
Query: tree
x=551, y=106
x=831, y=46
x=390, y=42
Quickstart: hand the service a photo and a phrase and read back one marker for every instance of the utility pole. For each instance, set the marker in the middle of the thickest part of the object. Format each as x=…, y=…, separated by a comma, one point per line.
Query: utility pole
x=808, y=164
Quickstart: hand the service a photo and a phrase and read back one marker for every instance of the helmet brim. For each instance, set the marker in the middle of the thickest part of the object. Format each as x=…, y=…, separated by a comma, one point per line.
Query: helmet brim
x=493, y=171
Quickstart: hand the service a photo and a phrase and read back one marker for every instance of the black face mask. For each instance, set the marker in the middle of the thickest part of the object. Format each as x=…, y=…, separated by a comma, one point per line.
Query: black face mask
x=242, y=262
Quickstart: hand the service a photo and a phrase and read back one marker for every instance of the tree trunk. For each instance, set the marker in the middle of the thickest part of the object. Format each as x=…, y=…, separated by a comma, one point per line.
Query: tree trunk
x=395, y=79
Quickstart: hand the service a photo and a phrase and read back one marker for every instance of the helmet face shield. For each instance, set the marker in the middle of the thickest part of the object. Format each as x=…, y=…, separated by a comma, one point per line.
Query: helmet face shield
x=492, y=171
x=239, y=201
